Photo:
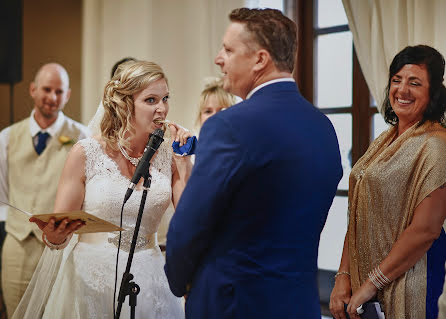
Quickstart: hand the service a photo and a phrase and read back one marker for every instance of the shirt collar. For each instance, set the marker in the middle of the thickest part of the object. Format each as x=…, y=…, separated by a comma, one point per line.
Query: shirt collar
x=53, y=129
x=268, y=83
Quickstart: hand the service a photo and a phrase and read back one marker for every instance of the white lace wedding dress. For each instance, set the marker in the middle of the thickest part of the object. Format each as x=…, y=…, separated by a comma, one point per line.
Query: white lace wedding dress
x=78, y=281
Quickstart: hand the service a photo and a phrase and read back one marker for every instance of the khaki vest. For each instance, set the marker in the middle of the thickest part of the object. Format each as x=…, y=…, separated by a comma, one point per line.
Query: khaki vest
x=33, y=178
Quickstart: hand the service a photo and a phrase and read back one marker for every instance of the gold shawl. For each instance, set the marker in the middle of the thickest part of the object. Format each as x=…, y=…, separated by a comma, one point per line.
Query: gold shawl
x=385, y=187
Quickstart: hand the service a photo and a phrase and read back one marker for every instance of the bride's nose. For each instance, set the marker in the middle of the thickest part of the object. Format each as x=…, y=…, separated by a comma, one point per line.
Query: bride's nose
x=161, y=107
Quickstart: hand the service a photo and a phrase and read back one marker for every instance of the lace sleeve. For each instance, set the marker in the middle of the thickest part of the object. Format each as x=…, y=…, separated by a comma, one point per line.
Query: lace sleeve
x=164, y=161
x=91, y=149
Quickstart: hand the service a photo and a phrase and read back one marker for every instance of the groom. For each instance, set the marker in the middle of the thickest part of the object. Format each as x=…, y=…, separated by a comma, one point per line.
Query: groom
x=243, y=242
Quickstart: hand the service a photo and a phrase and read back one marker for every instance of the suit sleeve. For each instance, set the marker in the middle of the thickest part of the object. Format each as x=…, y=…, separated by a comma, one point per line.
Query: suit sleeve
x=217, y=171
x=442, y=304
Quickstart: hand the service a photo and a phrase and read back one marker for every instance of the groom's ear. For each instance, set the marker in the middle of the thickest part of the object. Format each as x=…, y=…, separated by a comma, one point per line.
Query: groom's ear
x=263, y=59
x=67, y=96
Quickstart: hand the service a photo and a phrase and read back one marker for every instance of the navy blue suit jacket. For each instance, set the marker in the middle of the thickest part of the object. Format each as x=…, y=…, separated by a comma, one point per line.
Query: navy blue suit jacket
x=246, y=231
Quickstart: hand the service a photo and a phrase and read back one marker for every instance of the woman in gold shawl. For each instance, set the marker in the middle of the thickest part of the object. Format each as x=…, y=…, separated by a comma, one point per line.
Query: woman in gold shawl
x=395, y=246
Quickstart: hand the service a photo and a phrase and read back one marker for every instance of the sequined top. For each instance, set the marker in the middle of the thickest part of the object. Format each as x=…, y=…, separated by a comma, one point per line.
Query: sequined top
x=385, y=187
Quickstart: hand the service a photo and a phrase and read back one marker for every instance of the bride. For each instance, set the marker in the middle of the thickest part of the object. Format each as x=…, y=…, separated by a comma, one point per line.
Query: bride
x=76, y=275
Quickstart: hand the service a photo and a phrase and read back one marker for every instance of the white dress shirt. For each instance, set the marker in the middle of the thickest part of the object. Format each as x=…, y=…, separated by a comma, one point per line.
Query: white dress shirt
x=34, y=128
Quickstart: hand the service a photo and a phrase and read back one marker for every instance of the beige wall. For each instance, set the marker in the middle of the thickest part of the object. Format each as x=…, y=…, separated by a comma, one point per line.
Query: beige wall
x=182, y=36
x=187, y=45
x=51, y=32
x=88, y=36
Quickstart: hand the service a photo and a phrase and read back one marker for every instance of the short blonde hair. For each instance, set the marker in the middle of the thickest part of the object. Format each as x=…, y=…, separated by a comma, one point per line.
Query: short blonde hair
x=130, y=78
x=214, y=87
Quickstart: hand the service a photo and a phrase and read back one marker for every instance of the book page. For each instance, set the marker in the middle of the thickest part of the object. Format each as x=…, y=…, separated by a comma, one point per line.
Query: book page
x=93, y=224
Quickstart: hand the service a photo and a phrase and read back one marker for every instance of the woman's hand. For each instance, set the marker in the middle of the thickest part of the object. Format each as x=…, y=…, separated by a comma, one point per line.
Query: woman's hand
x=179, y=134
x=57, y=233
x=182, y=165
x=366, y=292
x=340, y=295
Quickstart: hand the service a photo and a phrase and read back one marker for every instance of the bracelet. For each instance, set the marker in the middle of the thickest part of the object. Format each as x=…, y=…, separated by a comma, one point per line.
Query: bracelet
x=378, y=278
x=52, y=246
x=342, y=273
x=386, y=280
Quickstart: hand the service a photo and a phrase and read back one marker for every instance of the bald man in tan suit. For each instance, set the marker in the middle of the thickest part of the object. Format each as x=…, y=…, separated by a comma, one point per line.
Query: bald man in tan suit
x=32, y=155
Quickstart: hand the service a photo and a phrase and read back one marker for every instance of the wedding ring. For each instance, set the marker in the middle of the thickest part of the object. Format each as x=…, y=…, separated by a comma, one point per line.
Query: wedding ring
x=359, y=310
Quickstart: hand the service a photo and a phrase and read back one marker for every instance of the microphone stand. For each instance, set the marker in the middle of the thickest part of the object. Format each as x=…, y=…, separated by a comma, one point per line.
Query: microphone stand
x=129, y=287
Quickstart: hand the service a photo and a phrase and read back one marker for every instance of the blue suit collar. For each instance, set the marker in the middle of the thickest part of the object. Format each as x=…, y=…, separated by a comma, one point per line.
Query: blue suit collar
x=283, y=86
x=258, y=87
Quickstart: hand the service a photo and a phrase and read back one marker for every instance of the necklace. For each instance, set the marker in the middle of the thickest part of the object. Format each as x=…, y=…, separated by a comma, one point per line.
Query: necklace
x=133, y=160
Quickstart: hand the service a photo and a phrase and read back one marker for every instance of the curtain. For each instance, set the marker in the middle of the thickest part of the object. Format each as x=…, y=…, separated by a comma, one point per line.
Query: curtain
x=382, y=28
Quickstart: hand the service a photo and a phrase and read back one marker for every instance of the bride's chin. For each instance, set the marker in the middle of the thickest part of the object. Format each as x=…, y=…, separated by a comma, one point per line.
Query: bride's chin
x=146, y=130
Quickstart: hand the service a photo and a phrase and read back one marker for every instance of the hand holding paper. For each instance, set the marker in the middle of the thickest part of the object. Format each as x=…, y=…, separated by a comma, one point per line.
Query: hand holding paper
x=92, y=224
x=57, y=232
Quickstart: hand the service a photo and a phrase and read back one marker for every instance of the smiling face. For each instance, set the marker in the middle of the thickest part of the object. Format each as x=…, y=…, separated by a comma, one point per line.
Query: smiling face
x=237, y=60
x=409, y=93
x=50, y=91
x=150, y=104
x=211, y=106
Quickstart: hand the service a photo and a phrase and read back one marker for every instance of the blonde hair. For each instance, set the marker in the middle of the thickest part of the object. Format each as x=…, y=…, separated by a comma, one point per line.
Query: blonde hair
x=214, y=86
x=130, y=78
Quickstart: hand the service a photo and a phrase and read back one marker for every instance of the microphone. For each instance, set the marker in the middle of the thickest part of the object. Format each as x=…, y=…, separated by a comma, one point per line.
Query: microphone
x=155, y=140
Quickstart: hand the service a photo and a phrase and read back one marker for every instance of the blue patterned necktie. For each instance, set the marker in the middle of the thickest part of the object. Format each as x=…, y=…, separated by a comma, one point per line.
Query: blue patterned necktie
x=42, y=137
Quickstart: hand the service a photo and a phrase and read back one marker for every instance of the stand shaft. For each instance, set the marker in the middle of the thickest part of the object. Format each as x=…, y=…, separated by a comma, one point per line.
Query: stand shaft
x=129, y=287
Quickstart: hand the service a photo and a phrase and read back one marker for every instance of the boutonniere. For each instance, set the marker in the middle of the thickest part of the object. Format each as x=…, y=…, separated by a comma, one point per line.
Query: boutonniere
x=65, y=140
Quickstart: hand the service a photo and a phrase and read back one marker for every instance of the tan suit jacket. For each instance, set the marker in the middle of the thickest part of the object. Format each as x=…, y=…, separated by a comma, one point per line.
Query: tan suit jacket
x=32, y=181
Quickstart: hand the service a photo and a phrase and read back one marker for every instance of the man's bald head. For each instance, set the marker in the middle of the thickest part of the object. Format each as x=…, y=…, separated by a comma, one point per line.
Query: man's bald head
x=53, y=68
x=50, y=91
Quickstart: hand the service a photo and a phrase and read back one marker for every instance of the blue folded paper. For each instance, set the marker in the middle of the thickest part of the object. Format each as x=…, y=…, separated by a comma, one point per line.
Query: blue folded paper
x=186, y=149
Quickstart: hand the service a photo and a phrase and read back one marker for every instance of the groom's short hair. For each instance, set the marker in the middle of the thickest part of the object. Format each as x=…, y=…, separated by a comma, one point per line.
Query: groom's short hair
x=270, y=30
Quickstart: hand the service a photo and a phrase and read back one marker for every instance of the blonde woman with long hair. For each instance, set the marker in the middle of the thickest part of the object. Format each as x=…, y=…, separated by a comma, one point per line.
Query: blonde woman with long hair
x=76, y=278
